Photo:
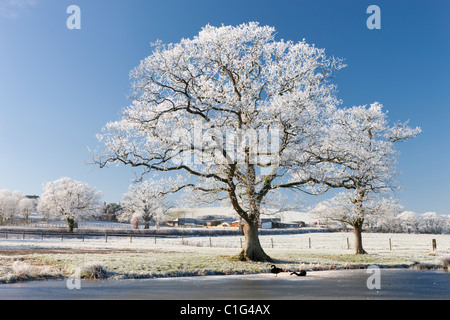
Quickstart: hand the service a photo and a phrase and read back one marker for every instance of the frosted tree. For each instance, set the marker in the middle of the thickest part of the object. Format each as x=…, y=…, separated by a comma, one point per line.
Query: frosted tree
x=26, y=207
x=70, y=200
x=145, y=201
x=360, y=146
x=5, y=196
x=379, y=213
x=409, y=222
x=10, y=204
x=233, y=109
x=386, y=216
x=431, y=222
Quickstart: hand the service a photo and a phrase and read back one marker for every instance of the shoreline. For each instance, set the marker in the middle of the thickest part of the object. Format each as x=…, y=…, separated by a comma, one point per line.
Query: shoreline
x=36, y=259
x=110, y=276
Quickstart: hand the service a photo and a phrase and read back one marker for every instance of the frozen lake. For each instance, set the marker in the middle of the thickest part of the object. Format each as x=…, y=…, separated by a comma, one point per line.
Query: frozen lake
x=348, y=284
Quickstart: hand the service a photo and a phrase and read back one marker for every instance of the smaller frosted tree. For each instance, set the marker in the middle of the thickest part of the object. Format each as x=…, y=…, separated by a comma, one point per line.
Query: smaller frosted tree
x=10, y=204
x=70, y=200
x=360, y=150
x=409, y=221
x=342, y=209
x=431, y=222
x=5, y=196
x=145, y=202
x=386, y=216
x=26, y=207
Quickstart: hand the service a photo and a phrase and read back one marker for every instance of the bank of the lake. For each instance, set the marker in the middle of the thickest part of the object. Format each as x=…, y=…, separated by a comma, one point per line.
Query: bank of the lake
x=117, y=258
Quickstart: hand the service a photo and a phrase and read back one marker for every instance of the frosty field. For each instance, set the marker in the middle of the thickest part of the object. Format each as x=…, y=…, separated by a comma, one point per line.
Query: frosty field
x=120, y=258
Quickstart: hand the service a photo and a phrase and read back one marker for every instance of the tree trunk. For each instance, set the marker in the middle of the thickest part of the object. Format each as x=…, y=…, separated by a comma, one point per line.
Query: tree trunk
x=252, y=248
x=357, y=230
x=70, y=224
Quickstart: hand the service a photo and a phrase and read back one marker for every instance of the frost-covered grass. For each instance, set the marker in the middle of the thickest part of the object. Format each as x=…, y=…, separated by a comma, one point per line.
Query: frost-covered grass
x=18, y=270
x=119, y=258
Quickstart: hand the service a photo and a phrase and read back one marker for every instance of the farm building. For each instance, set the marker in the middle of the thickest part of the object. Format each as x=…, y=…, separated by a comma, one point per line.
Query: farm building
x=273, y=219
x=272, y=223
x=186, y=222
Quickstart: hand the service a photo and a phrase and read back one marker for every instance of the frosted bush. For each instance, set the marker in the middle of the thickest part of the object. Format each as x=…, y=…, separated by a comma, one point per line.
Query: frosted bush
x=47, y=271
x=23, y=270
x=93, y=270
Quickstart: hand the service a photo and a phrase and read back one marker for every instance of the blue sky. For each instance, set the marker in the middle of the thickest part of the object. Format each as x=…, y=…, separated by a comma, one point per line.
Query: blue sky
x=59, y=87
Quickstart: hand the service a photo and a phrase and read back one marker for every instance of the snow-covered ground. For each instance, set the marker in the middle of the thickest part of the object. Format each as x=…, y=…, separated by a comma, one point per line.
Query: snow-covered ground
x=126, y=257
x=337, y=241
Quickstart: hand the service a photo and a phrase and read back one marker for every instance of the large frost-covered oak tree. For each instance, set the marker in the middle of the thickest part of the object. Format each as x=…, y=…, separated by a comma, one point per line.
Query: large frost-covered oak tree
x=233, y=109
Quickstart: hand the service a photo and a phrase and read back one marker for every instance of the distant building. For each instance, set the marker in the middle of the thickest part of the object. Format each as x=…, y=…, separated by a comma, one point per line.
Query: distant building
x=214, y=222
x=272, y=223
x=35, y=200
x=111, y=211
x=178, y=222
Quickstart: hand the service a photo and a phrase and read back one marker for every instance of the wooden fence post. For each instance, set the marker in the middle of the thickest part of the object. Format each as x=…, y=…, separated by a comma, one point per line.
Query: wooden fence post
x=348, y=244
x=390, y=244
x=309, y=240
x=433, y=242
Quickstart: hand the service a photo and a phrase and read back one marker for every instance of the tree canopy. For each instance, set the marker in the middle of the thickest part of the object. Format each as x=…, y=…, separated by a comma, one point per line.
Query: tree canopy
x=241, y=114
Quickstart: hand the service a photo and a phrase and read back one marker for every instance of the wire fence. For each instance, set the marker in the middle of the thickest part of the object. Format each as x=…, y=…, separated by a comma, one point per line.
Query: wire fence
x=53, y=224
x=339, y=241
